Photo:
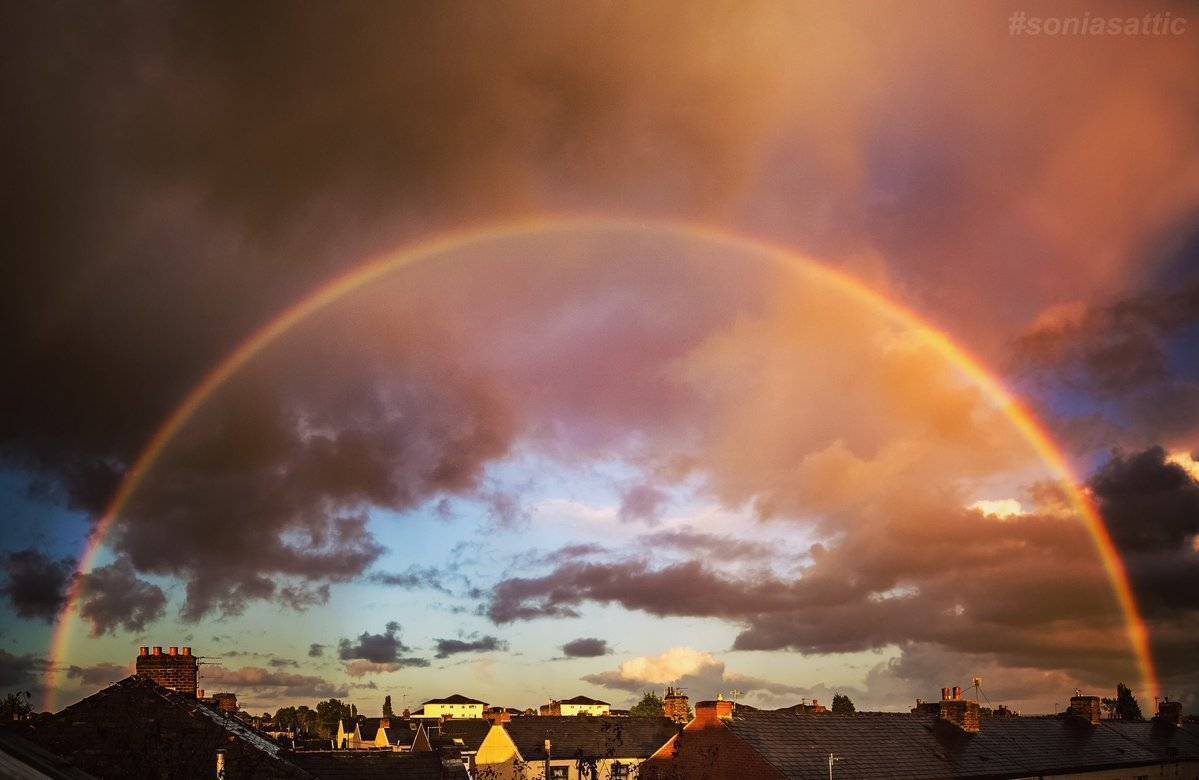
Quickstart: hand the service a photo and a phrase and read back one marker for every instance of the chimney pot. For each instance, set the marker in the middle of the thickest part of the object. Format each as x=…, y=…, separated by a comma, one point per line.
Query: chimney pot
x=172, y=651
x=957, y=692
x=187, y=651
x=157, y=650
x=200, y=694
x=143, y=650
x=944, y=694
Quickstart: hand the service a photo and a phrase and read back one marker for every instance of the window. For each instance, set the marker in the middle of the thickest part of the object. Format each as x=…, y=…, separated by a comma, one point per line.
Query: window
x=559, y=773
x=620, y=771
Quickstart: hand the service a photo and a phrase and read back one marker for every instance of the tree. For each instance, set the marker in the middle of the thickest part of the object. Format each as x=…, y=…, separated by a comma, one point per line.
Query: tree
x=16, y=706
x=1126, y=704
x=843, y=704
x=650, y=706
x=328, y=713
x=387, y=711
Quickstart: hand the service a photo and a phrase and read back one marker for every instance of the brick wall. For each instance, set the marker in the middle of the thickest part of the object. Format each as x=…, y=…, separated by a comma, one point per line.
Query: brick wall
x=170, y=670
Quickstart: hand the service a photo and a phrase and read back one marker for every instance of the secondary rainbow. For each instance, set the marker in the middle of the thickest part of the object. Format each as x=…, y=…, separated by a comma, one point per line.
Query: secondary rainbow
x=333, y=290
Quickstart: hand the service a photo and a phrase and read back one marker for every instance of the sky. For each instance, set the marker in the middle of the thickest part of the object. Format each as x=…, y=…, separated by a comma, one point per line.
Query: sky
x=633, y=414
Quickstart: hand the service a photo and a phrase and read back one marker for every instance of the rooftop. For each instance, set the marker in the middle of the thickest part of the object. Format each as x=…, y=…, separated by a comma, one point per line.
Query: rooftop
x=889, y=745
x=589, y=737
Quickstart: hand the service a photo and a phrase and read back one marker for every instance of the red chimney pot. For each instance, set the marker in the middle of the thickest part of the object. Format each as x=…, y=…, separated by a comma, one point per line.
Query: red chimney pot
x=157, y=650
x=172, y=651
x=143, y=650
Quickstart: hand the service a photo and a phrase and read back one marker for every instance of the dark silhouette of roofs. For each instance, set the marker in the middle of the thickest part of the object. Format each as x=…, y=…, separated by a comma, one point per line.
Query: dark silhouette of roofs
x=136, y=728
x=900, y=745
x=590, y=737
x=368, y=764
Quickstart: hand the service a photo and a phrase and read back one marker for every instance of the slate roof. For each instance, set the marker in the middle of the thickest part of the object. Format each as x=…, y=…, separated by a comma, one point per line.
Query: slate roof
x=402, y=731
x=137, y=728
x=366, y=764
x=471, y=731
x=583, y=736
x=369, y=728
x=901, y=745
x=20, y=759
x=457, y=698
x=582, y=700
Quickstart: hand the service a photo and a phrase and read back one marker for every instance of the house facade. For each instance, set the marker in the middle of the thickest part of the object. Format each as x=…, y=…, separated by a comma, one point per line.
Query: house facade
x=578, y=705
x=570, y=747
x=455, y=706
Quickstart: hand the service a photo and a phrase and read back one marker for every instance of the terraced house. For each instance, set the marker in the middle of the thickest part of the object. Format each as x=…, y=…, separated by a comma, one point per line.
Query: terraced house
x=570, y=747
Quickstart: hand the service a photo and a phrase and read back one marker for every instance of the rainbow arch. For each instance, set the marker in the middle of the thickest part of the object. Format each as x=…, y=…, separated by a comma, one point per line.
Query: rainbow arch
x=331, y=291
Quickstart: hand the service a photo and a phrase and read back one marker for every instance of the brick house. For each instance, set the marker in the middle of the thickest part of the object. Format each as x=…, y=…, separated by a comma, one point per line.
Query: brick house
x=577, y=705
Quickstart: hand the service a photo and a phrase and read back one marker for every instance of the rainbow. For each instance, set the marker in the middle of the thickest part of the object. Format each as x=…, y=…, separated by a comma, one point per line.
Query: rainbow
x=332, y=291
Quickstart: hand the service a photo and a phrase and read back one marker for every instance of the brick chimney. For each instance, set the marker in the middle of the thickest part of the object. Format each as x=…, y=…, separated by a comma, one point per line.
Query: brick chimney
x=1084, y=709
x=958, y=712
x=710, y=713
x=1169, y=712
x=675, y=706
x=174, y=671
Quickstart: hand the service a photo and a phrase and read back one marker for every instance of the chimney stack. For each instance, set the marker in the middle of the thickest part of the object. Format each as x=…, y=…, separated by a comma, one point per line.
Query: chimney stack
x=143, y=650
x=712, y=712
x=957, y=711
x=1084, y=708
x=1169, y=712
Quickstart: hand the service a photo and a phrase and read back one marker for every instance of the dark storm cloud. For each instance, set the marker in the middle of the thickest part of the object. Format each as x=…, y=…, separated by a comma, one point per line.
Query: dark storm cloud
x=35, y=584
x=1151, y=507
x=913, y=577
x=98, y=674
x=483, y=644
x=284, y=685
x=586, y=647
x=1149, y=504
x=377, y=648
x=21, y=672
x=114, y=597
x=1137, y=352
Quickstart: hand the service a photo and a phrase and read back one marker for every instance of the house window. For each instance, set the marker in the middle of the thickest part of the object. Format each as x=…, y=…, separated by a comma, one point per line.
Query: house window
x=559, y=773
x=620, y=771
